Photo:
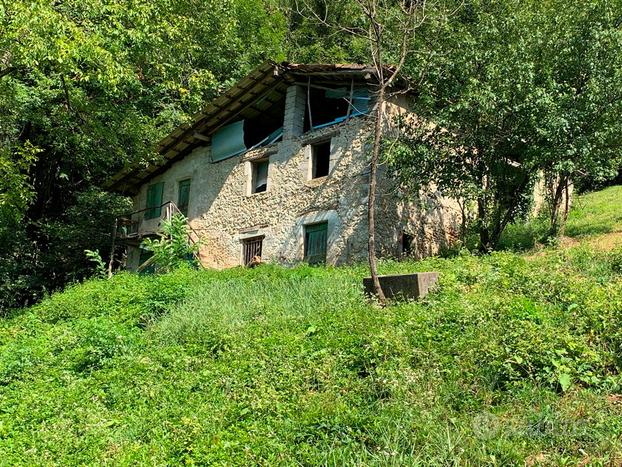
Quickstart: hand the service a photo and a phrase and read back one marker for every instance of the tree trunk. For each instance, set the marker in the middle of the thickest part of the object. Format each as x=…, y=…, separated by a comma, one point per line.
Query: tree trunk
x=558, y=188
x=371, y=201
x=112, y=247
x=484, y=233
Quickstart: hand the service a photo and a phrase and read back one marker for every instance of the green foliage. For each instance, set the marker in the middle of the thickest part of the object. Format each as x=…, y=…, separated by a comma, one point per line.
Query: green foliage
x=309, y=41
x=15, y=189
x=50, y=254
x=174, y=248
x=511, y=358
x=98, y=263
x=515, y=89
x=89, y=87
x=592, y=214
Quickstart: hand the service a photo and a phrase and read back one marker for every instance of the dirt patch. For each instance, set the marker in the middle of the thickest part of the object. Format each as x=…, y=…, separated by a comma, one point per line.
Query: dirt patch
x=606, y=242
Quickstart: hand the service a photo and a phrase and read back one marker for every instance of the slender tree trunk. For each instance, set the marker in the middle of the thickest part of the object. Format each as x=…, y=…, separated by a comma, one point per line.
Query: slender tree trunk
x=371, y=202
x=484, y=233
x=566, y=202
x=112, y=247
x=559, y=187
x=463, y=220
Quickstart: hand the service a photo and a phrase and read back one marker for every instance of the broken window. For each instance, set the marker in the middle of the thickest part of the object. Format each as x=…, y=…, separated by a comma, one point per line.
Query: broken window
x=316, y=240
x=260, y=176
x=327, y=106
x=320, y=159
x=259, y=124
x=183, y=196
x=251, y=248
x=154, y=200
x=407, y=243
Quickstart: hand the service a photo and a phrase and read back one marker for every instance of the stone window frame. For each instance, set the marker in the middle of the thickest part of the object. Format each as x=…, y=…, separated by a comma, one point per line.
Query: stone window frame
x=250, y=175
x=333, y=229
x=249, y=234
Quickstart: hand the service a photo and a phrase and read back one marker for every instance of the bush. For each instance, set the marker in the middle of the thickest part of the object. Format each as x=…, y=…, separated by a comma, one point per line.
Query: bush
x=173, y=249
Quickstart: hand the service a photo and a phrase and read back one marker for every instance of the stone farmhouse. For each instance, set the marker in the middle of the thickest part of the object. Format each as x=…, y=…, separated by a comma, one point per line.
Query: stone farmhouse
x=277, y=167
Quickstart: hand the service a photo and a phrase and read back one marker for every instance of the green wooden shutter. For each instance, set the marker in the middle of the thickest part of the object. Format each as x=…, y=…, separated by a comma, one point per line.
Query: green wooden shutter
x=183, y=200
x=316, y=238
x=154, y=200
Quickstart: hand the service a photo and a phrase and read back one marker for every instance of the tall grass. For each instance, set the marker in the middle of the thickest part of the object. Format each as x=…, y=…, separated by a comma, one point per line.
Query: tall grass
x=592, y=214
x=509, y=360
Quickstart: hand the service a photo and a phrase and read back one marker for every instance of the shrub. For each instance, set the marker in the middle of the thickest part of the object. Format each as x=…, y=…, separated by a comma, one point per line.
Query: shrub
x=173, y=249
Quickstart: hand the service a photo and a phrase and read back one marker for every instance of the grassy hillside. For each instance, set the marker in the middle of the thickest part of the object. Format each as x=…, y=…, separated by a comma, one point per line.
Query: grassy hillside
x=595, y=217
x=514, y=359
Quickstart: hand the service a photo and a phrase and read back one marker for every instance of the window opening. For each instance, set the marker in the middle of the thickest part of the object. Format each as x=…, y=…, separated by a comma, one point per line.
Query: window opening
x=260, y=176
x=260, y=124
x=183, y=198
x=407, y=243
x=320, y=159
x=327, y=106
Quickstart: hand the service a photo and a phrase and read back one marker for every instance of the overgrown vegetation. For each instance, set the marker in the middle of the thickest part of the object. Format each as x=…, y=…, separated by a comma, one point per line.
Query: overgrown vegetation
x=594, y=213
x=512, y=359
x=174, y=247
x=514, y=92
x=88, y=87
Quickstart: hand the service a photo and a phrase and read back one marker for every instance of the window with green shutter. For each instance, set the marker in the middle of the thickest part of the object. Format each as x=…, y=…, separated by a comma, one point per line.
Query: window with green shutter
x=154, y=200
x=183, y=198
x=316, y=239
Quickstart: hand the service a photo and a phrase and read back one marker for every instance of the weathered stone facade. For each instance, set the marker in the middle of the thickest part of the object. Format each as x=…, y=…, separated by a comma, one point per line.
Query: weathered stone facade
x=224, y=211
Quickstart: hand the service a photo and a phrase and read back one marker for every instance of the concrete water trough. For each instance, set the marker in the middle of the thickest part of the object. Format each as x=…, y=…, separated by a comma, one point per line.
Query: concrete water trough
x=403, y=286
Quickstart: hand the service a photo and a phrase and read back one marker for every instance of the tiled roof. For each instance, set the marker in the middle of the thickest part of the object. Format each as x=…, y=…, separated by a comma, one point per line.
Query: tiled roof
x=268, y=79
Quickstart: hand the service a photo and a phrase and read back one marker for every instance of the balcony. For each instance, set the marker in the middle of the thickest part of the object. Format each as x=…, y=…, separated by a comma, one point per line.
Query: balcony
x=134, y=226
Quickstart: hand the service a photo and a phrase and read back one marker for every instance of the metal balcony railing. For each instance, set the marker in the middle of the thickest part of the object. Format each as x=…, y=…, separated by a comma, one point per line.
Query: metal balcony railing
x=135, y=226
x=132, y=226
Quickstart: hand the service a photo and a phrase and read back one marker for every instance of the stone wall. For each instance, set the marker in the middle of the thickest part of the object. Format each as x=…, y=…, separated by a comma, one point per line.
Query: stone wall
x=224, y=212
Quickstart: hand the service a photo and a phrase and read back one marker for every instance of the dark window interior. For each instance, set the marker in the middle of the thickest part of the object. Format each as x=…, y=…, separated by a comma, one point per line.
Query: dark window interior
x=324, y=109
x=320, y=159
x=407, y=243
x=144, y=256
x=260, y=176
x=259, y=127
x=257, y=124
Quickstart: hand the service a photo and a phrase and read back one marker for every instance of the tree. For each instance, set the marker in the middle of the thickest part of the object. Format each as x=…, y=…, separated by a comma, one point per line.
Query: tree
x=92, y=86
x=519, y=89
x=386, y=29
x=579, y=131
